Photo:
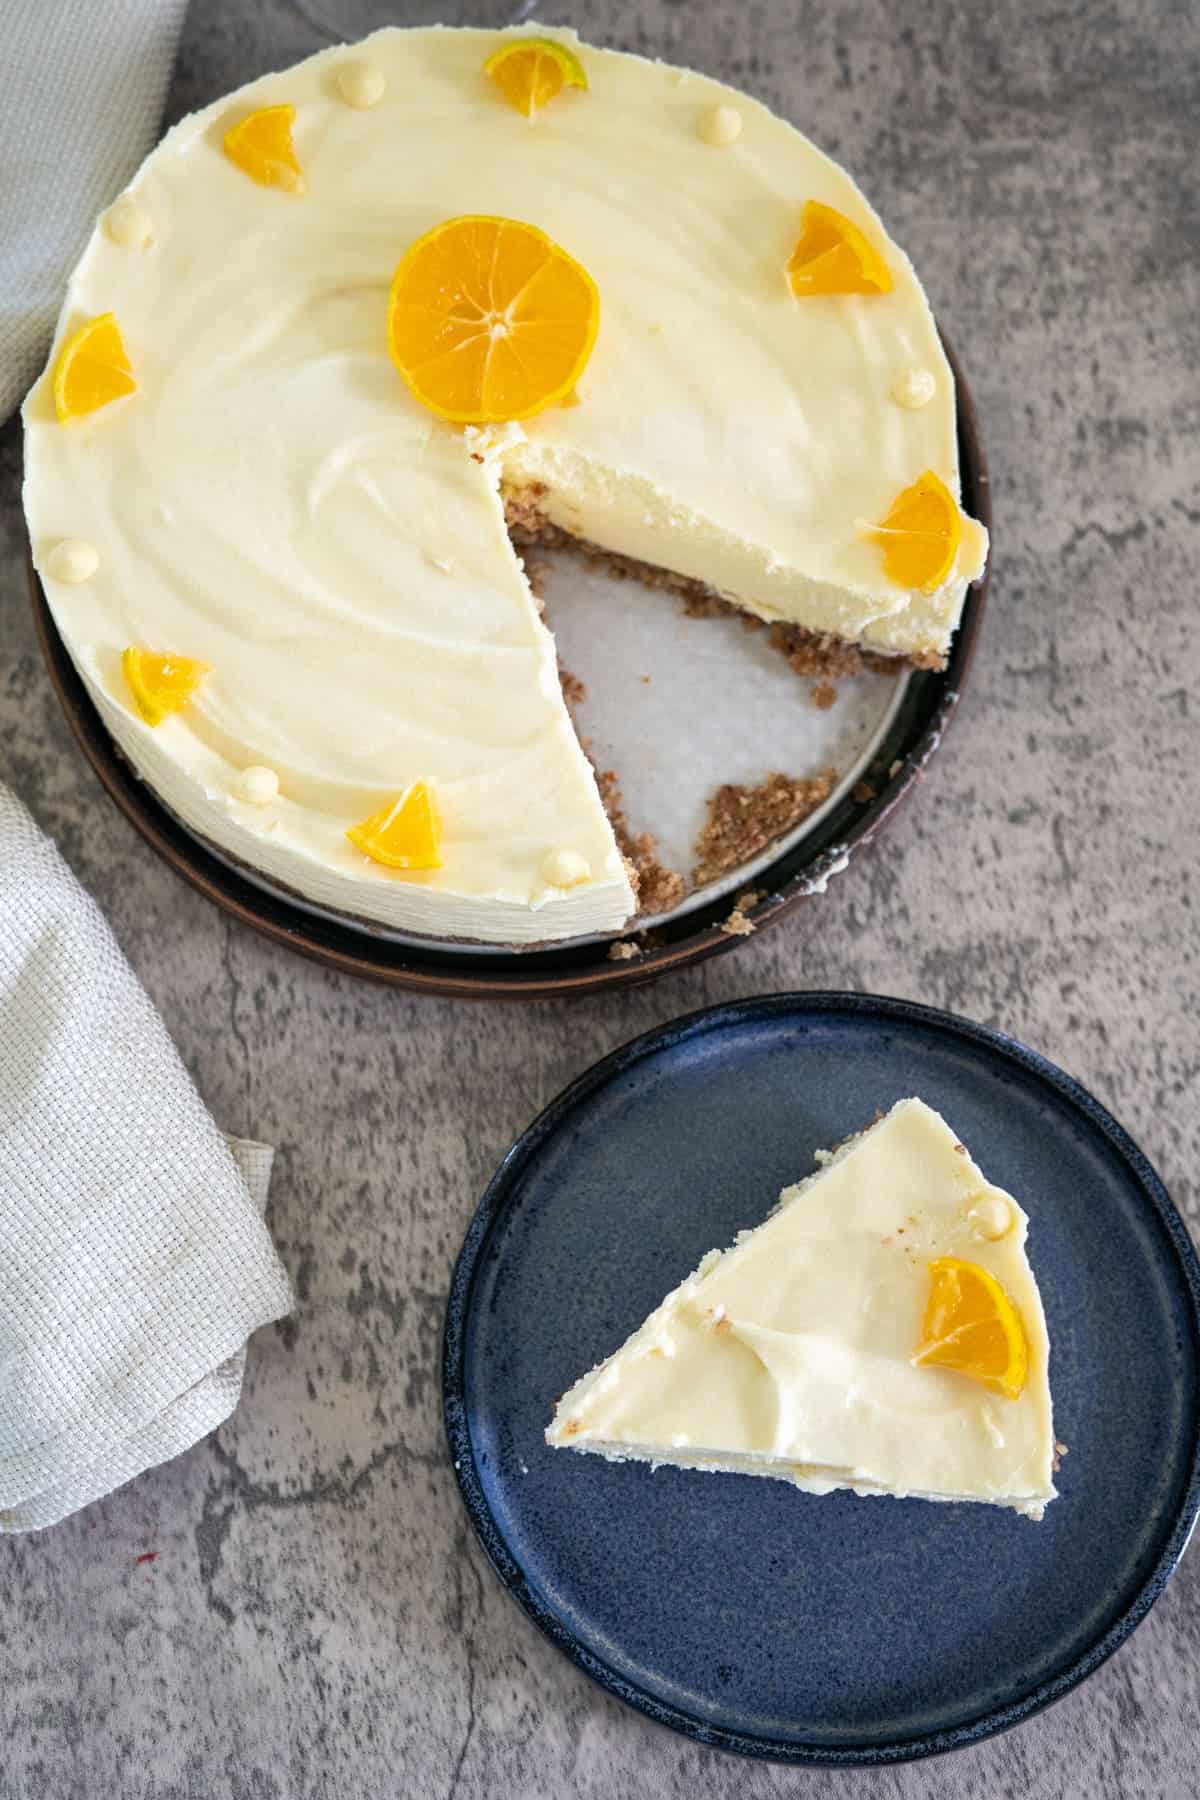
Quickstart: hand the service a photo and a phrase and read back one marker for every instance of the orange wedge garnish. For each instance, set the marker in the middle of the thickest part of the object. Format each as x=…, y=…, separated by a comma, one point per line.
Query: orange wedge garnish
x=490, y=320
x=161, y=684
x=261, y=146
x=973, y=1327
x=530, y=71
x=921, y=535
x=404, y=834
x=92, y=369
x=835, y=257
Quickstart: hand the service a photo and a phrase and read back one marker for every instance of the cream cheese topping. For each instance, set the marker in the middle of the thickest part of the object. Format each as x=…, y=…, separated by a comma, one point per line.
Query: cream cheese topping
x=257, y=786
x=361, y=84
x=720, y=126
x=72, y=560
x=915, y=388
x=273, y=501
x=791, y=1354
x=128, y=223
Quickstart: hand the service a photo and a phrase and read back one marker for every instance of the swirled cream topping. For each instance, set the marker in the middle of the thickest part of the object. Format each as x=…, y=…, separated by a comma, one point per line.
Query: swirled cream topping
x=792, y=1354
x=273, y=502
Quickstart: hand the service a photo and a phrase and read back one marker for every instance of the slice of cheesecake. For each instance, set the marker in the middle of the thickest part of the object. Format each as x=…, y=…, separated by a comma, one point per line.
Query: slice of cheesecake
x=881, y=1331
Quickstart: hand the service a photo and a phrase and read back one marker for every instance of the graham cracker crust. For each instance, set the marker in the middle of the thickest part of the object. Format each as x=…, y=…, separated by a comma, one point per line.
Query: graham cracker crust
x=744, y=820
x=658, y=888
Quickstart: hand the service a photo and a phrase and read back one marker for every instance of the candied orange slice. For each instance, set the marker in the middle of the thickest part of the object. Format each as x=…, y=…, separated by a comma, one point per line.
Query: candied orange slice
x=973, y=1327
x=404, y=834
x=529, y=71
x=261, y=146
x=921, y=535
x=834, y=257
x=92, y=369
x=489, y=320
x=161, y=684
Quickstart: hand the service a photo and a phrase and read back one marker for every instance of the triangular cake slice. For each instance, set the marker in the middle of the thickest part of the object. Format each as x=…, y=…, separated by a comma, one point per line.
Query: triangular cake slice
x=807, y=1350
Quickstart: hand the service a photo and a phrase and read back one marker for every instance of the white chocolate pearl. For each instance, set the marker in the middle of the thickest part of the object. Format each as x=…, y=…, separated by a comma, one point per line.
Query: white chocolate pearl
x=128, y=223
x=914, y=389
x=720, y=125
x=257, y=786
x=991, y=1217
x=565, y=868
x=361, y=84
x=73, y=560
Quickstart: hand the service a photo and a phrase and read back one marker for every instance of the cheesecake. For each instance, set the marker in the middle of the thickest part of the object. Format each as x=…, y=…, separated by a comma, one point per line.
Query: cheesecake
x=880, y=1331
x=340, y=677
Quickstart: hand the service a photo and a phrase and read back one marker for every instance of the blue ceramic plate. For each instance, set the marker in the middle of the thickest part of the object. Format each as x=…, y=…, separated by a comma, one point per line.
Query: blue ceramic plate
x=744, y=1613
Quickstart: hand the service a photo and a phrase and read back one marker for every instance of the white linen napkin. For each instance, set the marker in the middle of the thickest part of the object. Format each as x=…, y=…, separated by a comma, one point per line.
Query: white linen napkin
x=134, y=1262
x=83, y=88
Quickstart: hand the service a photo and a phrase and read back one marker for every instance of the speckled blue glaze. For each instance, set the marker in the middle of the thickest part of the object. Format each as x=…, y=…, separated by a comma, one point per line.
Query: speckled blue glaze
x=742, y=1612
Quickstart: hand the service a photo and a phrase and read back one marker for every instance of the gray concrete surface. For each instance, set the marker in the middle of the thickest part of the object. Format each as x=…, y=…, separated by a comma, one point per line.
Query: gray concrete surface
x=318, y=1622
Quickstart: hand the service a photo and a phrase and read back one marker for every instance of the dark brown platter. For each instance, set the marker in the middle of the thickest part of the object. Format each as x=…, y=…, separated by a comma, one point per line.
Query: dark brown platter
x=799, y=873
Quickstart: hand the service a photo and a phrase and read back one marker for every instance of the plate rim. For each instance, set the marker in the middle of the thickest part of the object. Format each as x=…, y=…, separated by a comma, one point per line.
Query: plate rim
x=496, y=1199
x=524, y=974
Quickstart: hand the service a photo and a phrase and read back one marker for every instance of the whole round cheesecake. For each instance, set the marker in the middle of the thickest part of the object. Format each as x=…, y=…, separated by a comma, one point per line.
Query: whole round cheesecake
x=276, y=546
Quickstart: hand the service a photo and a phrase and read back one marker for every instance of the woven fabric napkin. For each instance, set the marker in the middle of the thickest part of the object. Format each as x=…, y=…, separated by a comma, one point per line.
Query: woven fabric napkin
x=134, y=1262
x=84, y=85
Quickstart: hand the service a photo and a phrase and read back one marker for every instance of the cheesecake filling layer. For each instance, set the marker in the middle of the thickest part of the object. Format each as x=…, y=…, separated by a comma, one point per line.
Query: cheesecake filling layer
x=791, y=1354
x=274, y=502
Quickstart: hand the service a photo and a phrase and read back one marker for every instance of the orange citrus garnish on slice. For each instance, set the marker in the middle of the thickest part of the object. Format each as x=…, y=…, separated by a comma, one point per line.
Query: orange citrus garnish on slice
x=973, y=1327
x=489, y=320
x=92, y=369
x=529, y=71
x=404, y=834
x=161, y=684
x=261, y=146
x=921, y=535
x=835, y=257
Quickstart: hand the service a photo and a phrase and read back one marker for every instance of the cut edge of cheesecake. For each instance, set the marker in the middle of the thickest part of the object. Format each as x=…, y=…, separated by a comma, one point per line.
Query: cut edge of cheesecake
x=553, y=500
x=680, y=1335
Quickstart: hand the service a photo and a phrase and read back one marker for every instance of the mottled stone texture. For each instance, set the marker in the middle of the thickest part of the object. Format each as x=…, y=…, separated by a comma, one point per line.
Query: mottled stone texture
x=317, y=1622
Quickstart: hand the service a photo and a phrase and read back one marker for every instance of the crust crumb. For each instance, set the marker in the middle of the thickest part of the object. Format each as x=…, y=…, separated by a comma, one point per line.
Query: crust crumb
x=571, y=1428
x=961, y=1148
x=824, y=695
x=623, y=951
x=744, y=820
x=862, y=792
x=574, y=691
x=738, y=924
